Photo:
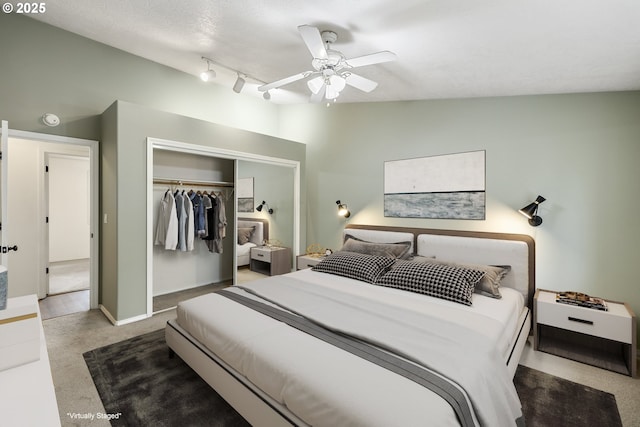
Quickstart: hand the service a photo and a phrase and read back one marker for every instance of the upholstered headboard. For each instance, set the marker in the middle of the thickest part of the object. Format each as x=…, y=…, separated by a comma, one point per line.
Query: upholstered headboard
x=516, y=250
x=261, y=232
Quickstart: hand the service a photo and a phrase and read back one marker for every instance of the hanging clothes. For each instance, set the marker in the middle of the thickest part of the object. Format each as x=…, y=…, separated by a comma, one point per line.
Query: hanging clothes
x=189, y=230
x=198, y=213
x=167, y=228
x=182, y=221
x=221, y=224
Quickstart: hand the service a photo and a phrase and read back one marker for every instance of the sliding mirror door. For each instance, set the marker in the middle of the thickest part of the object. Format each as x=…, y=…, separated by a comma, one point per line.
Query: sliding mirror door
x=274, y=185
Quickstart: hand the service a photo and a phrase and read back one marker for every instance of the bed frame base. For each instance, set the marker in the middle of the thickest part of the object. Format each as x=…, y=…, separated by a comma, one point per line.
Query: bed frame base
x=254, y=406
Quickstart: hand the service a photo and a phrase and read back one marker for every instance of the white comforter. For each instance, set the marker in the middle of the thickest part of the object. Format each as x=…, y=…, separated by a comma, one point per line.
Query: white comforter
x=324, y=385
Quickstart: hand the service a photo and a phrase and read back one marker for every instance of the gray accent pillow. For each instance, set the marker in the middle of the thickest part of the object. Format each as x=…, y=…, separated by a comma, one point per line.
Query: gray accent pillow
x=367, y=268
x=437, y=280
x=244, y=235
x=489, y=285
x=398, y=250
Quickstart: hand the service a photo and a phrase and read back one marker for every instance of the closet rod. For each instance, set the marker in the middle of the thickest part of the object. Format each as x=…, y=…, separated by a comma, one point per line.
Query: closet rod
x=181, y=182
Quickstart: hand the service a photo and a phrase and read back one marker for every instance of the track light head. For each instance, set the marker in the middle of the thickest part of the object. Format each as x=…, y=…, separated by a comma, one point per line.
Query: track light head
x=239, y=84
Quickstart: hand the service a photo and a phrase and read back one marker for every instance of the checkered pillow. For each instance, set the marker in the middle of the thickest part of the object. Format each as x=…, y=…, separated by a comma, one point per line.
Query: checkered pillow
x=367, y=268
x=437, y=280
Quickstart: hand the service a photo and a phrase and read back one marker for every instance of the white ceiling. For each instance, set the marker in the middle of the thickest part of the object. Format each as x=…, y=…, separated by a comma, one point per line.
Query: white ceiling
x=445, y=48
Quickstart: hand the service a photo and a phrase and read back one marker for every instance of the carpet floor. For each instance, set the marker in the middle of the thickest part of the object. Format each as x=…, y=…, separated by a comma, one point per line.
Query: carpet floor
x=140, y=385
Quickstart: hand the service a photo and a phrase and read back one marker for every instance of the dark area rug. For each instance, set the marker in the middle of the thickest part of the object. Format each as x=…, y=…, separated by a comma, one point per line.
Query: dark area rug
x=142, y=386
x=549, y=401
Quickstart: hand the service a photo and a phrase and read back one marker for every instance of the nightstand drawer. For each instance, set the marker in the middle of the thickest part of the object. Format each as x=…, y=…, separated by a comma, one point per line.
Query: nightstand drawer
x=598, y=323
x=261, y=254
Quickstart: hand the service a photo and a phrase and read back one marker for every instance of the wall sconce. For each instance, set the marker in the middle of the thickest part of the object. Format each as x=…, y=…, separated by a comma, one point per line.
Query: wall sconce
x=531, y=210
x=261, y=205
x=343, y=210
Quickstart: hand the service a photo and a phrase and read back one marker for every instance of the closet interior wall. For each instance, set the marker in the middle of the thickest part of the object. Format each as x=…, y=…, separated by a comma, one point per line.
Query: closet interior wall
x=177, y=270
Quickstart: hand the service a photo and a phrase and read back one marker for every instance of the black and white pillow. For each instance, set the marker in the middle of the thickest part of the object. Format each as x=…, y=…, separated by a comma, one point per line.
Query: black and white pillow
x=367, y=268
x=437, y=280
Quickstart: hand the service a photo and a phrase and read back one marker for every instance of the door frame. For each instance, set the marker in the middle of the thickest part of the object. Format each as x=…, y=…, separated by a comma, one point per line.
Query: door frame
x=202, y=150
x=94, y=165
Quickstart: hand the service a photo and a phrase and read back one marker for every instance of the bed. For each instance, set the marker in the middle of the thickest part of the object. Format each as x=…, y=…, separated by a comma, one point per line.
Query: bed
x=281, y=350
x=252, y=232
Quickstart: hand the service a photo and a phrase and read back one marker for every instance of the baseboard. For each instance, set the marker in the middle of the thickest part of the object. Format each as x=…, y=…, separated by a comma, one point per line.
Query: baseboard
x=121, y=322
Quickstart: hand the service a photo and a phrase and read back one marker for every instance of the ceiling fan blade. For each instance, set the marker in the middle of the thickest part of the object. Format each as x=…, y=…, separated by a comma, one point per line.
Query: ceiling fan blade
x=373, y=58
x=361, y=83
x=313, y=40
x=317, y=97
x=283, y=82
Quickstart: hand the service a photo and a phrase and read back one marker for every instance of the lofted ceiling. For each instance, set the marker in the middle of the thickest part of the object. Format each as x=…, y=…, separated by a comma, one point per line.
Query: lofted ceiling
x=445, y=48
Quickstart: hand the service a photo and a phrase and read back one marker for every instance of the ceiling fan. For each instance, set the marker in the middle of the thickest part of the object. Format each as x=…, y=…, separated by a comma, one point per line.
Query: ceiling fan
x=332, y=70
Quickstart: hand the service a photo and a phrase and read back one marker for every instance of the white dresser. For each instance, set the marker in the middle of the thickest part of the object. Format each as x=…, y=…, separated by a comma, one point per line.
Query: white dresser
x=27, y=394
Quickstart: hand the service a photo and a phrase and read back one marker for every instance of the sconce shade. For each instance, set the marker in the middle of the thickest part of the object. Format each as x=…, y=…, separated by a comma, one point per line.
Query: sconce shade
x=531, y=210
x=343, y=210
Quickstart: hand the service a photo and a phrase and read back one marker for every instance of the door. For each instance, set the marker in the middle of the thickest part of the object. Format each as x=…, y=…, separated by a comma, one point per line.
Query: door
x=4, y=258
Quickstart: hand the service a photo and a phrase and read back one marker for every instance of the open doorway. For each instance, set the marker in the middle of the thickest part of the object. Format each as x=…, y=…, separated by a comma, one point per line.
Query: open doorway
x=30, y=216
x=67, y=194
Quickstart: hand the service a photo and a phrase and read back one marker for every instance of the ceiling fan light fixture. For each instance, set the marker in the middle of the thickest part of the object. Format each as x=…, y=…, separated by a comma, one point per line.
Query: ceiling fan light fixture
x=315, y=84
x=337, y=83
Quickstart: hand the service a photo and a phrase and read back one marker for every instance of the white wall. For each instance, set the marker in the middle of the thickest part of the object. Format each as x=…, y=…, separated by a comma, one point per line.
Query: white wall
x=69, y=213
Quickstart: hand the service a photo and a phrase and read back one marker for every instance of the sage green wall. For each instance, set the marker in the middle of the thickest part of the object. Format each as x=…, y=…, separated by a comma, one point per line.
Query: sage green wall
x=127, y=210
x=46, y=69
x=580, y=151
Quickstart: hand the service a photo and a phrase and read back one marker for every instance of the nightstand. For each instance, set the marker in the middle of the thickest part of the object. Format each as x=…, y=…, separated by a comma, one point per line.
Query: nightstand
x=270, y=260
x=606, y=339
x=307, y=261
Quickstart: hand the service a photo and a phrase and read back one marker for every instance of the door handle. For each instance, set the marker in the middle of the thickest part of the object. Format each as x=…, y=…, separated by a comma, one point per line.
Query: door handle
x=6, y=249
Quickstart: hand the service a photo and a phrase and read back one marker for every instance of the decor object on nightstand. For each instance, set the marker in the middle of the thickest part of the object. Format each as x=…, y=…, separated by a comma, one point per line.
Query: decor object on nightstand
x=606, y=339
x=531, y=210
x=581, y=300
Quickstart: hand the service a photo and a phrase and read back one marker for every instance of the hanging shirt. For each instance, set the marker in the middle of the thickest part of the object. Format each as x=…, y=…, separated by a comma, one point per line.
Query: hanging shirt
x=222, y=225
x=182, y=221
x=198, y=213
x=190, y=223
x=167, y=228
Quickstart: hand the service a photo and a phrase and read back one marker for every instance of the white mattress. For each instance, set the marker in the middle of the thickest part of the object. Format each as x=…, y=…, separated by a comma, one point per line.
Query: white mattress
x=300, y=372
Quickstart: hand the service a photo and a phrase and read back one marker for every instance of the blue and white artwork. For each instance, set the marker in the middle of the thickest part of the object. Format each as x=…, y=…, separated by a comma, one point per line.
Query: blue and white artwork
x=450, y=186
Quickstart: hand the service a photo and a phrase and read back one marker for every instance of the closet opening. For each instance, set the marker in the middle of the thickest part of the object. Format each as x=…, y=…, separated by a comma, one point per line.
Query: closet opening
x=175, y=168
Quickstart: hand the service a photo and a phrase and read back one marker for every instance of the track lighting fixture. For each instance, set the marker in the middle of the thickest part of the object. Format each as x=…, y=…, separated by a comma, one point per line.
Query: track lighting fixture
x=261, y=205
x=208, y=75
x=239, y=84
x=531, y=210
x=343, y=210
x=266, y=95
